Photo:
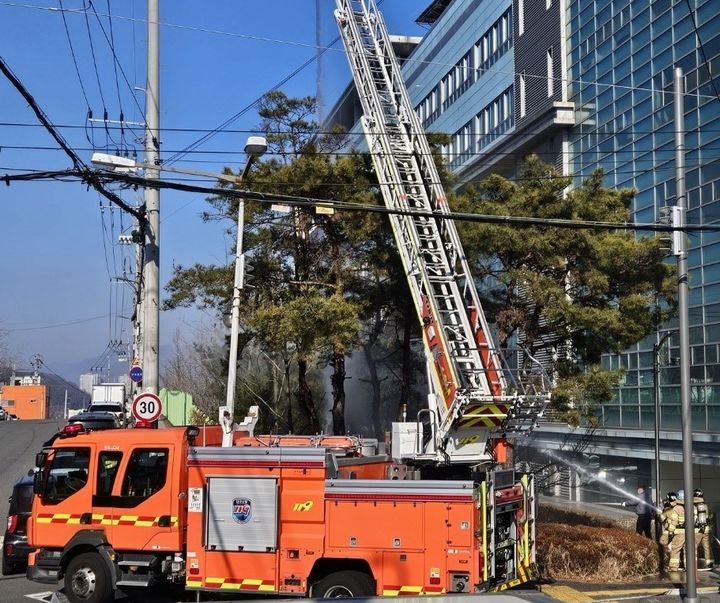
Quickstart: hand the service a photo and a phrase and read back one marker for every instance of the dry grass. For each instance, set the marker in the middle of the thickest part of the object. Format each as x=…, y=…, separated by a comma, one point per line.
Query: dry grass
x=570, y=549
x=552, y=514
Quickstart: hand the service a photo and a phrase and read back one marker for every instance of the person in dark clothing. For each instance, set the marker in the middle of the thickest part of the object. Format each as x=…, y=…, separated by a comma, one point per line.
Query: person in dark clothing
x=644, y=509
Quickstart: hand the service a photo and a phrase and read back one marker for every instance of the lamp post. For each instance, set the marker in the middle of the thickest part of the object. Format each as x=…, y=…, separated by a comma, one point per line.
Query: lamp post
x=656, y=386
x=255, y=147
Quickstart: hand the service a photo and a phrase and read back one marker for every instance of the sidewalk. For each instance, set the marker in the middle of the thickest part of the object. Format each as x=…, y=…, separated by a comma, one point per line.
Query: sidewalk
x=660, y=590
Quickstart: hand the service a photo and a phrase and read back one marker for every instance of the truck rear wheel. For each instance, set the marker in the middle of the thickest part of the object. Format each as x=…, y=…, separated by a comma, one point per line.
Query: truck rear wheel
x=345, y=584
x=87, y=580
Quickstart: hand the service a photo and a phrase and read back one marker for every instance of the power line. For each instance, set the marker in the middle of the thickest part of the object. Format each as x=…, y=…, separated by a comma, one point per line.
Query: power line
x=409, y=60
x=56, y=325
x=702, y=48
x=74, y=59
x=474, y=154
x=311, y=202
x=77, y=162
x=351, y=134
x=65, y=174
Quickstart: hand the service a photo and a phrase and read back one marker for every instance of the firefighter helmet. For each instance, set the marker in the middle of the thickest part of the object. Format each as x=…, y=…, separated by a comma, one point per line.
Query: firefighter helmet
x=698, y=493
x=671, y=497
x=681, y=494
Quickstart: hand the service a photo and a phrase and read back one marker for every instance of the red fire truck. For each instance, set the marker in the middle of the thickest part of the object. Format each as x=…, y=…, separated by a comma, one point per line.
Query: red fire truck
x=121, y=509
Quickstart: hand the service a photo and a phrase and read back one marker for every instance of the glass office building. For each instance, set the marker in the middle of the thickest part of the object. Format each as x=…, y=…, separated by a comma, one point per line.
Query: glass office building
x=622, y=55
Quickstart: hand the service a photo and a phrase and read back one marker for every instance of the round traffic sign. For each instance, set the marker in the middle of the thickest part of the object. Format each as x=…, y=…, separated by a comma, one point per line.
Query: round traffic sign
x=146, y=407
x=136, y=374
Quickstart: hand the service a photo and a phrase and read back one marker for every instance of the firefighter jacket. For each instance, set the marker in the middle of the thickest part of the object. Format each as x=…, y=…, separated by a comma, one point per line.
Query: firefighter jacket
x=675, y=518
x=665, y=519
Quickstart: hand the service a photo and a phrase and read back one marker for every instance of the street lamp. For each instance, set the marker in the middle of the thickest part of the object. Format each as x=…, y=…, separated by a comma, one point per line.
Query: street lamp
x=255, y=147
x=656, y=385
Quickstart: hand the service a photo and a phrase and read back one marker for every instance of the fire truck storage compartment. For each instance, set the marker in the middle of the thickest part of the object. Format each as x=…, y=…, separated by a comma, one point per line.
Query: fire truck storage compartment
x=242, y=514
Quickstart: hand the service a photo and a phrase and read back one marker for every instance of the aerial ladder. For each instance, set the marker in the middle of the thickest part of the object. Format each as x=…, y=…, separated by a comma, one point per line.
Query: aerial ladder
x=475, y=400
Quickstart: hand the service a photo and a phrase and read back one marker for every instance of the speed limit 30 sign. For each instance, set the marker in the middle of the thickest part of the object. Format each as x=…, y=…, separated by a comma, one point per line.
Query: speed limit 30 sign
x=146, y=407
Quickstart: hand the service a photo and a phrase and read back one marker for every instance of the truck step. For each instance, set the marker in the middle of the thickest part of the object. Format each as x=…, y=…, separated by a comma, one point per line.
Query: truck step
x=135, y=580
x=138, y=560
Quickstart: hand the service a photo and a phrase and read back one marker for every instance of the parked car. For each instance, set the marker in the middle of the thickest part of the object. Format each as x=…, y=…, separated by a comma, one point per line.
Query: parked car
x=93, y=420
x=3, y=414
x=115, y=408
x=15, y=545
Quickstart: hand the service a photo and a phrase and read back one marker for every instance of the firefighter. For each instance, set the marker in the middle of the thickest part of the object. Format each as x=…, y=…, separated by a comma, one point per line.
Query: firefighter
x=644, y=509
x=666, y=504
x=674, y=522
x=702, y=528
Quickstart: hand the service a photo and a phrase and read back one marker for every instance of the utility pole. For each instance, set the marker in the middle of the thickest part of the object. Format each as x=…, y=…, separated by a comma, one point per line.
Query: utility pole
x=151, y=266
x=680, y=239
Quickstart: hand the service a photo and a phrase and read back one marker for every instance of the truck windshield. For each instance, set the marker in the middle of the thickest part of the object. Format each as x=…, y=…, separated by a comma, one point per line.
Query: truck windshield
x=66, y=473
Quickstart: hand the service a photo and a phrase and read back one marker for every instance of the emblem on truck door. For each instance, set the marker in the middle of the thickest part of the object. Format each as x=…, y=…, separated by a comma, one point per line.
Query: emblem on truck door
x=242, y=510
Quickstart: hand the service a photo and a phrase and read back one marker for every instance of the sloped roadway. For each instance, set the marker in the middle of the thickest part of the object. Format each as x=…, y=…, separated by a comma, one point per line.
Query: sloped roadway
x=21, y=440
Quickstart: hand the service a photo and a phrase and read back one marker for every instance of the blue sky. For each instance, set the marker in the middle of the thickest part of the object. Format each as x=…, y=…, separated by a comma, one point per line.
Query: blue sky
x=58, y=257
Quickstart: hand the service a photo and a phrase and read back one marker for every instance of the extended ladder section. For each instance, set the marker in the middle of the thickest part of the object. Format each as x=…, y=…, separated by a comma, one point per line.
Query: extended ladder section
x=470, y=383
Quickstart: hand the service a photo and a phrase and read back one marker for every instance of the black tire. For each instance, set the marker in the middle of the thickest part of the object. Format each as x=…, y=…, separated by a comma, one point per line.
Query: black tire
x=343, y=585
x=9, y=568
x=87, y=580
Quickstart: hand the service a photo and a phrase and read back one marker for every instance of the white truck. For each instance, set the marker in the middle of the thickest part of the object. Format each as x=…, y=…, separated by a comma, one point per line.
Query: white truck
x=109, y=397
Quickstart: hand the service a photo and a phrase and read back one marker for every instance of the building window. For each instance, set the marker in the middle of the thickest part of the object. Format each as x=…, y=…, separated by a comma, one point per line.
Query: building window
x=522, y=94
x=550, y=74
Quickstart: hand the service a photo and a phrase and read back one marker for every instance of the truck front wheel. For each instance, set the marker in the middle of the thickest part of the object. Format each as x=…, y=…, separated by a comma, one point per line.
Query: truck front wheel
x=87, y=580
x=341, y=585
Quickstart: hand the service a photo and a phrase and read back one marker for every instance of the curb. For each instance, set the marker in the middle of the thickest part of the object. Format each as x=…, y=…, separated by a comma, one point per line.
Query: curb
x=676, y=592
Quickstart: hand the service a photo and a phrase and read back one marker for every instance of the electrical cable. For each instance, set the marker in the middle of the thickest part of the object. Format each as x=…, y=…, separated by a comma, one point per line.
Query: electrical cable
x=607, y=133
x=115, y=68
x=702, y=48
x=117, y=64
x=97, y=72
x=77, y=71
x=313, y=46
x=475, y=154
x=70, y=383
x=77, y=162
x=55, y=325
x=310, y=202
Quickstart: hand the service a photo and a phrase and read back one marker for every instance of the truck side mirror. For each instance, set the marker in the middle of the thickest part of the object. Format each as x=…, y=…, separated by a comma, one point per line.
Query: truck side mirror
x=37, y=483
x=41, y=459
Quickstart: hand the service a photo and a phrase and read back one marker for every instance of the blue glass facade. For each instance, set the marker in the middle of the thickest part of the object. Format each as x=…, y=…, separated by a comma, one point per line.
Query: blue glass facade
x=621, y=59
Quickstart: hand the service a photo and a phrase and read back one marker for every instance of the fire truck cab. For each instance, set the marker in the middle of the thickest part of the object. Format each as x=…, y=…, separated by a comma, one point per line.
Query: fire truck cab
x=119, y=509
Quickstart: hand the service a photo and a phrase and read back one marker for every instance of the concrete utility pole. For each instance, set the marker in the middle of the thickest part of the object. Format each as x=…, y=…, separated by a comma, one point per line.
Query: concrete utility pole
x=682, y=264
x=151, y=267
